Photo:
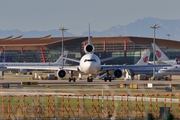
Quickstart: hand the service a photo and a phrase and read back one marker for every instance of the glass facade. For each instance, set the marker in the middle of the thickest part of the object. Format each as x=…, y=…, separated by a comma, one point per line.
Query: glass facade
x=76, y=50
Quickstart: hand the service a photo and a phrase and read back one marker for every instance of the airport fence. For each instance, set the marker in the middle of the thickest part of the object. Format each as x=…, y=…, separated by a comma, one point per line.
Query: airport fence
x=85, y=106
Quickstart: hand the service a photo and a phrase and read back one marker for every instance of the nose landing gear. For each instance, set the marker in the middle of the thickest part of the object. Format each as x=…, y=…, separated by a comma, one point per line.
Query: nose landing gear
x=90, y=78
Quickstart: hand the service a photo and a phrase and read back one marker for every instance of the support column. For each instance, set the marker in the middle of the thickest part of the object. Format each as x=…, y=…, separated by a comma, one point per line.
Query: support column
x=104, y=48
x=84, y=44
x=81, y=50
x=22, y=52
x=2, y=49
x=42, y=53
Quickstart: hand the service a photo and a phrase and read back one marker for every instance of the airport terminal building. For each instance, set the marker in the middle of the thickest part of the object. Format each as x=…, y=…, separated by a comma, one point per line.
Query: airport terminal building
x=47, y=49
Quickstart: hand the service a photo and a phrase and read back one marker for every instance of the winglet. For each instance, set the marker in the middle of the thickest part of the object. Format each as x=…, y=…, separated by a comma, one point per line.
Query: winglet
x=60, y=59
x=159, y=54
x=144, y=59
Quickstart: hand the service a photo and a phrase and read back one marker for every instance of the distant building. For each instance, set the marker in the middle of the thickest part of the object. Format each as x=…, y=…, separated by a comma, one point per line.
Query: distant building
x=48, y=49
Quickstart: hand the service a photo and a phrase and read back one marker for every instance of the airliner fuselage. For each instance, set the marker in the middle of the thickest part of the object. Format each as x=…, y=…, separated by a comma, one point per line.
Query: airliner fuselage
x=174, y=70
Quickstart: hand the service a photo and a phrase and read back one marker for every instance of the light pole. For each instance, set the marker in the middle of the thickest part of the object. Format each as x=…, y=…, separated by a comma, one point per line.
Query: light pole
x=154, y=26
x=63, y=29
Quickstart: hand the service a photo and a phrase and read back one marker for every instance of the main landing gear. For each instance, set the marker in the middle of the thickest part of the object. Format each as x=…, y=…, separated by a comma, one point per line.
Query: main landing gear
x=108, y=77
x=71, y=78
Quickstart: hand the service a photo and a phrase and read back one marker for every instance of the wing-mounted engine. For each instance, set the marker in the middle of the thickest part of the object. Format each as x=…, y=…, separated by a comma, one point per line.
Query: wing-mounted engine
x=118, y=73
x=89, y=48
x=61, y=73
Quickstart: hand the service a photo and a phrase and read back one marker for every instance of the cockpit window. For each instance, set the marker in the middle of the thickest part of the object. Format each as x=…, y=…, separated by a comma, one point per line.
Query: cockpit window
x=90, y=60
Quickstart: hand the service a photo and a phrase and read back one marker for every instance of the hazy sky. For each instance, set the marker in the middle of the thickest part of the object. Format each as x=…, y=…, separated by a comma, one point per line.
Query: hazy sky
x=75, y=15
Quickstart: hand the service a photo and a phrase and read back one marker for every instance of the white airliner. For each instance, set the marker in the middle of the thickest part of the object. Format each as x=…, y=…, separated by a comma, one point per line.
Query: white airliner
x=25, y=71
x=89, y=64
x=174, y=70
x=161, y=57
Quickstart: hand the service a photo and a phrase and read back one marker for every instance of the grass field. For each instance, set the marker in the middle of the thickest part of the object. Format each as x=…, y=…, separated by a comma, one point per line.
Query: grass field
x=49, y=106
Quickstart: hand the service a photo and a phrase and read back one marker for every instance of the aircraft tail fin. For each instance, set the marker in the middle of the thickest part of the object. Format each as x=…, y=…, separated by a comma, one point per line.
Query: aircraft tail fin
x=159, y=54
x=89, y=39
x=60, y=59
x=144, y=59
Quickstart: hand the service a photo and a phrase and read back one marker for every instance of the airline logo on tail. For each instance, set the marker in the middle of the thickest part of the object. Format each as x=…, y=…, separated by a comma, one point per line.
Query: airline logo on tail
x=158, y=54
x=145, y=59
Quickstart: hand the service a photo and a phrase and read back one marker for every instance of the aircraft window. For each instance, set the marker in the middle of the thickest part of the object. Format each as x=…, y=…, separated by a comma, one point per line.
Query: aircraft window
x=90, y=60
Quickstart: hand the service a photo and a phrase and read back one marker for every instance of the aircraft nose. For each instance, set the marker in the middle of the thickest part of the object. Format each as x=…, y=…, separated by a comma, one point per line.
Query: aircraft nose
x=160, y=71
x=90, y=68
x=89, y=65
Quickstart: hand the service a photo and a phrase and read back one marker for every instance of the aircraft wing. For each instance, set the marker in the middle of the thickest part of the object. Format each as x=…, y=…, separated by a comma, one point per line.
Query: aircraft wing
x=113, y=67
x=74, y=68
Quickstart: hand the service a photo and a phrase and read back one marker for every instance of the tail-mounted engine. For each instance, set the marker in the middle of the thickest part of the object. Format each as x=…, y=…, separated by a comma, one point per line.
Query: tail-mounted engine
x=61, y=73
x=89, y=48
x=118, y=73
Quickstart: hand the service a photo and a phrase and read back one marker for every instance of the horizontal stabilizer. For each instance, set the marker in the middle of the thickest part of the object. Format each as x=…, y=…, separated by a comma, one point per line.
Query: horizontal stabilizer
x=60, y=59
x=74, y=60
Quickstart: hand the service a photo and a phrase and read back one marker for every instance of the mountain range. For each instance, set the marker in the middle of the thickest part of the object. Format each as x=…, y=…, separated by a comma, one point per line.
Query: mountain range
x=140, y=27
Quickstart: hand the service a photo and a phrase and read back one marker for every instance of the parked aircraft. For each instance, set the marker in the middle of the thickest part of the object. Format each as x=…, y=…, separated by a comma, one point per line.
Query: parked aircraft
x=174, y=70
x=143, y=68
x=161, y=57
x=25, y=71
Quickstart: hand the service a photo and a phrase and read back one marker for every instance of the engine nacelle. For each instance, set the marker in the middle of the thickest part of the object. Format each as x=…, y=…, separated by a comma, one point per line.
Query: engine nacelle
x=89, y=48
x=118, y=73
x=23, y=71
x=61, y=73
